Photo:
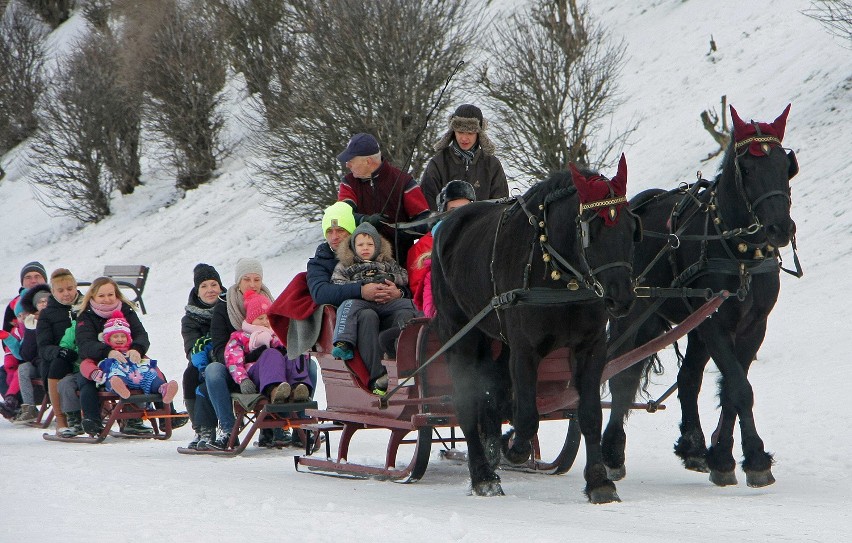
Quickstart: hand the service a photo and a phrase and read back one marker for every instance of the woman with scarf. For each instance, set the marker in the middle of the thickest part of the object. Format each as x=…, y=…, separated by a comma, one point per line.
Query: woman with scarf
x=103, y=298
x=195, y=330
x=228, y=317
x=465, y=152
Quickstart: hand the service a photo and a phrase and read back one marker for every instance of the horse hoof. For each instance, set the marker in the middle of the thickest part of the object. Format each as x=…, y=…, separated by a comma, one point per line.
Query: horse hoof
x=616, y=474
x=723, y=478
x=488, y=489
x=517, y=455
x=696, y=463
x=603, y=494
x=757, y=479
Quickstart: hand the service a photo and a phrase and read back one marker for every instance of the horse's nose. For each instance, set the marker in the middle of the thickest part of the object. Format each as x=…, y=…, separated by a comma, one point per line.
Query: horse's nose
x=780, y=235
x=618, y=308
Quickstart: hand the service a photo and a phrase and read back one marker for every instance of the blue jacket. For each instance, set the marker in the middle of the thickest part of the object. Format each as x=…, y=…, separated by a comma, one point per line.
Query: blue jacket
x=323, y=291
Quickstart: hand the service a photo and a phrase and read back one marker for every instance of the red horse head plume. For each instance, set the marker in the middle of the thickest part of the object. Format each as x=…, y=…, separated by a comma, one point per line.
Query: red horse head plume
x=751, y=133
x=608, y=196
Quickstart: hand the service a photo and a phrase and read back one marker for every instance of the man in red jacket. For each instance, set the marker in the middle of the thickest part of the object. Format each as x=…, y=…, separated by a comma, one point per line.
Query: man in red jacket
x=380, y=193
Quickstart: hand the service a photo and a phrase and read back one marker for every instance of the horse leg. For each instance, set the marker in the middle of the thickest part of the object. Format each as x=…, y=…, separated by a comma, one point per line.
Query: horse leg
x=691, y=447
x=524, y=372
x=495, y=408
x=590, y=362
x=467, y=376
x=757, y=463
x=720, y=456
x=624, y=387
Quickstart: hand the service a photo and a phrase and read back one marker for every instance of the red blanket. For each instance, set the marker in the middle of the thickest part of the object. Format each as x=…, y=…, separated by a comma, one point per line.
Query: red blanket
x=294, y=303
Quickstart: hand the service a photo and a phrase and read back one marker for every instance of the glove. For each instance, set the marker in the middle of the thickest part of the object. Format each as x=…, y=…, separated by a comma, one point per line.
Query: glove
x=374, y=219
x=252, y=356
x=68, y=355
x=98, y=376
x=247, y=387
x=258, y=338
x=30, y=322
x=201, y=344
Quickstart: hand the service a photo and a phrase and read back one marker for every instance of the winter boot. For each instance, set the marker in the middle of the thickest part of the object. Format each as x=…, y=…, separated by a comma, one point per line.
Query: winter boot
x=56, y=402
x=9, y=408
x=135, y=427
x=168, y=391
x=190, y=412
x=92, y=427
x=119, y=387
x=75, y=426
x=301, y=393
x=281, y=394
x=343, y=350
x=206, y=436
x=221, y=441
x=28, y=413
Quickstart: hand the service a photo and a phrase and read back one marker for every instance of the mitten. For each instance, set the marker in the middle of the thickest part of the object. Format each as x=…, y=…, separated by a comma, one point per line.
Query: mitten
x=68, y=355
x=260, y=337
x=201, y=344
x=247, y=387
x=374, y=219
x=253, y=355
x=98, y=376
x=30, y=322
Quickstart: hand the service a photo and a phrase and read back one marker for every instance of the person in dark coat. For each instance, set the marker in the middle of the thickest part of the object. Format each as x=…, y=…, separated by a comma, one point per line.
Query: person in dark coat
x=195, y=331
x=465, y=152
x=380, y=193
x=32, y=274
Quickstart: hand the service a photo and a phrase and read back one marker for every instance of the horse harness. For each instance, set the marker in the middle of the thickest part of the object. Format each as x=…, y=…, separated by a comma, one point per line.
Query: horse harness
x=764, y=258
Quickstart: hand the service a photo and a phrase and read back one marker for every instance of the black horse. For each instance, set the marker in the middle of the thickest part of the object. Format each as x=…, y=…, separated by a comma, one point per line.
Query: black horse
x=551, y=265
x=711, y=236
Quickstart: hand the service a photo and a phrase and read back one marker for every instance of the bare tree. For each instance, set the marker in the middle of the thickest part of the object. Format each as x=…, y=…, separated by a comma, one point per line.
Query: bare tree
x=552, y=80
x=185, y=78
x=54, y=12
x=70, y=158
x=22, y=58
x=722, y=135
x=836, y=15
x=260, y=45
x=361, y=66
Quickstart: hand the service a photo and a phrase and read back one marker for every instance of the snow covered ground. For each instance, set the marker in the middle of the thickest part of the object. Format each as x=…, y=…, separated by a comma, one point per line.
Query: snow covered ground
x=768, y=55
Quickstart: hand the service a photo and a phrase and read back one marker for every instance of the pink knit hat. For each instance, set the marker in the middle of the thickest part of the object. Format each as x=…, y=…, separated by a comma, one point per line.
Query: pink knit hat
x=117, y=323
x=256, y=305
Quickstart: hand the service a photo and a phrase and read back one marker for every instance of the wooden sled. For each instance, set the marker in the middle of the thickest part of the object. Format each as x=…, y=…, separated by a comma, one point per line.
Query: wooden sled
x=114, y=409
x=254, y=412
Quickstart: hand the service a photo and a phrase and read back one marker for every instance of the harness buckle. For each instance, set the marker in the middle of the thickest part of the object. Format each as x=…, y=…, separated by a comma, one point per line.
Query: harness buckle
x=642, y=292
x=674, y=241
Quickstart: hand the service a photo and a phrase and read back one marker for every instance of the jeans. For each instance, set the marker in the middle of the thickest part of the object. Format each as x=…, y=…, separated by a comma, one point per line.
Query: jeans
x=217, y=385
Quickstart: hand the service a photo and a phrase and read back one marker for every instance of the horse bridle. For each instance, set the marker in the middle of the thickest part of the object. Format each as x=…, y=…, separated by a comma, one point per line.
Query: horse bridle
x=767, y=142
x=558, y=264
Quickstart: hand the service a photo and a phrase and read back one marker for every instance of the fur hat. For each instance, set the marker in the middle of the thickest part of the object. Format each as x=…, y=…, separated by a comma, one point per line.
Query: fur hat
x=116, y=323
x=205, y=272
x=370, y=230
x=33, y=267
x=454, y=190
x=30, y=298
x=467, y=118
x=256, y=305
x=246, y=266
x=340, y=215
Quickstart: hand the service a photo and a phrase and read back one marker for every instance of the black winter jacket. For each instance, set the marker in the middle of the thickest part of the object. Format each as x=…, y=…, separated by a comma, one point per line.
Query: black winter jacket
x=52, y=323
x=90, y=325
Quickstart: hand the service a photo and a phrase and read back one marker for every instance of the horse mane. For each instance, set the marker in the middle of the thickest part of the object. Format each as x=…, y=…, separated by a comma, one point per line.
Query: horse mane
x=727, y=166
x=558, y=180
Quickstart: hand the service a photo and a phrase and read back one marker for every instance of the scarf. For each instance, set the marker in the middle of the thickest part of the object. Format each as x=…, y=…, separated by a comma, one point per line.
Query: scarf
x=104, y=310
x=237, y=306
x=466, y=156
x=201, y=314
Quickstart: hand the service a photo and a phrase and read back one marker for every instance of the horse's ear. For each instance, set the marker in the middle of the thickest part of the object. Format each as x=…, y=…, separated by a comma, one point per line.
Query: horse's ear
x=739, y=125
x=793, y=169
x=780, y=123
x=580, y=182
x=619, y=182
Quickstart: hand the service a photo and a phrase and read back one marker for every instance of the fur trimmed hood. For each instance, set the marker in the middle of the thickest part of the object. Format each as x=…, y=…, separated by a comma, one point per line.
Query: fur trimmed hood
x=457, y=122
x=27, y=301
x=346, y=255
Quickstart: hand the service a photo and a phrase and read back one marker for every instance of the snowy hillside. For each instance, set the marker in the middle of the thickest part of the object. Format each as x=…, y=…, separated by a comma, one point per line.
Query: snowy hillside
x=768, y=55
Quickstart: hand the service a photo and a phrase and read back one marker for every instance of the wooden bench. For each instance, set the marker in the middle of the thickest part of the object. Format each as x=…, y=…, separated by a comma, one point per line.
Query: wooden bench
x=132, y=277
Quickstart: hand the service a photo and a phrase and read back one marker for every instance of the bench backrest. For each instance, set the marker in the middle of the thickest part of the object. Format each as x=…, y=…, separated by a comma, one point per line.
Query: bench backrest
x=128, y=276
